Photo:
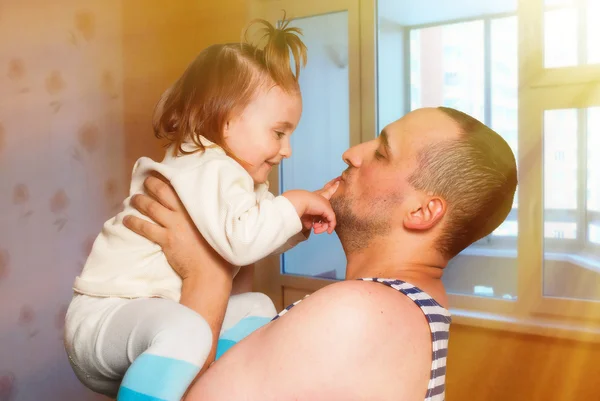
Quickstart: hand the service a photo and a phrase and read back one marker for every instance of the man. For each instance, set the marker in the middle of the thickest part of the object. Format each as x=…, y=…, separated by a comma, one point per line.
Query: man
x=431, y=184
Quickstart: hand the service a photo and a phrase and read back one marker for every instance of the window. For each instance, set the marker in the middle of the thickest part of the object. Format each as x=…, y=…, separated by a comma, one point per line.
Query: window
x=327, y=36
x=570, y=32
x=449, y=67
x=571, y=175
x=543, y=262
x=472, y=66
x=463, y=63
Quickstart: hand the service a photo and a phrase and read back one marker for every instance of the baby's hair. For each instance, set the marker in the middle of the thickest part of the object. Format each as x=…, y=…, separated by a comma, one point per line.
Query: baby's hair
x=280, y=42
x=222, y=80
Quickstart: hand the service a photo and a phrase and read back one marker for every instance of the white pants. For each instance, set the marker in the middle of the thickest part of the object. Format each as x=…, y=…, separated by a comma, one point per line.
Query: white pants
x=104, y=336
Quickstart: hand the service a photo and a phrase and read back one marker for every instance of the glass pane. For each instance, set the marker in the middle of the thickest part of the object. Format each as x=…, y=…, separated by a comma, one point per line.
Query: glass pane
x=452, y=71
x=560, y=230
x=593, y=164
x=483, y=272
x=593, y=178
x=510, y=228
x=593, y=31
x=447, y=67
x=560, y=38
x=559, y=3
x=560, y=159
x=594, y=234
x=571, y=250
x=415, y=70
x=505, y=101
x=317, y=158
x=391, y=75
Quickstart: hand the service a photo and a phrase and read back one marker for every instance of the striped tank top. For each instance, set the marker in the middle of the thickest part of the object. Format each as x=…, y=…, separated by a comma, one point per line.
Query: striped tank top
x=439, y=320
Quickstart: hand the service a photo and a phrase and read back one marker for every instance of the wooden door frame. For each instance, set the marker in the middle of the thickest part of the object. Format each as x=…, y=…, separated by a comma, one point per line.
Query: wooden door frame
x=285, y=288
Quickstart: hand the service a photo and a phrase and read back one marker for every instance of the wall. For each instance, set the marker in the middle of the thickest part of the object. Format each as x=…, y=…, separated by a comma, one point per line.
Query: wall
x=488, y=365
x=78, y=81
x=160, y=39
x=61, y=163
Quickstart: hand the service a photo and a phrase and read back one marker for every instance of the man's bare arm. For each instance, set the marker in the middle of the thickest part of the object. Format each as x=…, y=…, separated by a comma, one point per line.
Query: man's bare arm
x=243, y=281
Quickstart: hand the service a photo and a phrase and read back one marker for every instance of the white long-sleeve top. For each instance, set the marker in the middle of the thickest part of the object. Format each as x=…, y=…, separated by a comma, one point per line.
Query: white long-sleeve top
x=242, y=221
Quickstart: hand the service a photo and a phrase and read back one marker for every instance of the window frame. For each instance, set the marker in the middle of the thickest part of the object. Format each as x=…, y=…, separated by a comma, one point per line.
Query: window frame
x=546, y=89
x=540, y=89
x=540, y=100
x=499, y=242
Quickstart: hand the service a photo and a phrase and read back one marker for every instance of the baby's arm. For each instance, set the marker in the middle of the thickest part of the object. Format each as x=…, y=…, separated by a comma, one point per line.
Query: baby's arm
x=310, y=206
x=219, y=196
x=293, y=240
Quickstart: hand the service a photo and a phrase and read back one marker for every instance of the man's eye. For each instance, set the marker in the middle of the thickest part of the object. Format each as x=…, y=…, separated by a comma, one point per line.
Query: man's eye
x=378, y=155
x=280, y=134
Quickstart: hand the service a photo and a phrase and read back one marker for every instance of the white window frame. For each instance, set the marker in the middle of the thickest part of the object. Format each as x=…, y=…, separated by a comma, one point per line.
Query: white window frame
x=540, y=89
x=552, y=88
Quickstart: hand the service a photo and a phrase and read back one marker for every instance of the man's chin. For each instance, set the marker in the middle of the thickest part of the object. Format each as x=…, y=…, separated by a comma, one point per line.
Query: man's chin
x=337, y=196
x=335, y=205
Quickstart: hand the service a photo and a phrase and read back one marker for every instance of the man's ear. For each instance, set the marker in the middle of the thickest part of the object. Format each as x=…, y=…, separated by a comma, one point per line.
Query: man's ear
x=426, y=215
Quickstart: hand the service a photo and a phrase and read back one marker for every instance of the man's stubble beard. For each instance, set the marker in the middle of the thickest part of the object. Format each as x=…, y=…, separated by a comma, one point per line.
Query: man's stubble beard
x=356, y=232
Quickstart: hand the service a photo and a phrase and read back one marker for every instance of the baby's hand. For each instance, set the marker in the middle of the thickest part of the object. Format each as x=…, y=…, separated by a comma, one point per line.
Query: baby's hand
x=329, y=189
x=313, y=206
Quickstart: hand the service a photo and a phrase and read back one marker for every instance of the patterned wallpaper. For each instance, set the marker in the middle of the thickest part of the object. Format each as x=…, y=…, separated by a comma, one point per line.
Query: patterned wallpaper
x=61, y=176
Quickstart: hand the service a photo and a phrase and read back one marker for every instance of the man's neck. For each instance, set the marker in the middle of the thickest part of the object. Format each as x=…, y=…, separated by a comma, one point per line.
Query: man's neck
x=386, y=259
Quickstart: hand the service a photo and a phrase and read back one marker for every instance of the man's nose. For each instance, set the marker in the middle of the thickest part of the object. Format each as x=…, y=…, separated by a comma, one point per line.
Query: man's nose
x=353, y=156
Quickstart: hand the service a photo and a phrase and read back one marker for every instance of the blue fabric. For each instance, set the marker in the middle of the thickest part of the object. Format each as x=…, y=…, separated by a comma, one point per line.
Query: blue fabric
x=237, y=333
x=223, y=346
x=157, y=377
x=244, y=328
x=126, y=394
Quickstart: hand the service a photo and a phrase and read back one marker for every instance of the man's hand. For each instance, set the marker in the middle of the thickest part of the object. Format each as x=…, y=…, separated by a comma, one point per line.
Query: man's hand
x=206, y=276
x=175, y=232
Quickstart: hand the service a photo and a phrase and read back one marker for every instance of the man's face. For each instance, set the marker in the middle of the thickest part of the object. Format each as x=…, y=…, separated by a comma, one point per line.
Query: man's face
x=374, y=192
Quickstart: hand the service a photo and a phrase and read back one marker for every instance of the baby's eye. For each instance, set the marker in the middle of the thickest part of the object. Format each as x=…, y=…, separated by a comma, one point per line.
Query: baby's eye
x=280, y=134
x=378, y=155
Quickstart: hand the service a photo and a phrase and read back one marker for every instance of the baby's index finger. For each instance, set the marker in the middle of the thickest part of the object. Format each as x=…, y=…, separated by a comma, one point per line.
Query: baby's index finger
x=333, y=181
x=328, y=193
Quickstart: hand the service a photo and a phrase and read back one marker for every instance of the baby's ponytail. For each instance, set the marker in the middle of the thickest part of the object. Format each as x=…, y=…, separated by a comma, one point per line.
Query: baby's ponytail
x=280, y=42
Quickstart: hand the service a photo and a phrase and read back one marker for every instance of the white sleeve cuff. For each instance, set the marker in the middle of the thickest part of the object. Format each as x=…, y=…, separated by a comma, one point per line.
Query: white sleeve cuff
x=292, y=225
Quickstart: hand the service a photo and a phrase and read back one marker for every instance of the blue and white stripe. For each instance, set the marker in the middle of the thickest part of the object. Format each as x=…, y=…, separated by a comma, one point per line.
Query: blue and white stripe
x=439, y=324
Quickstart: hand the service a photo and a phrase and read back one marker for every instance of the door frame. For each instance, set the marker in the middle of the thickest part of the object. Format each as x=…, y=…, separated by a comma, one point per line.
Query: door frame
x=362, y=63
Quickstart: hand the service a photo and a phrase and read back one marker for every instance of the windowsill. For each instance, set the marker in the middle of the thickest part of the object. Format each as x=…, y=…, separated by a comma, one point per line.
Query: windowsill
x=490, y=252
x=530, y=326
x=580, y=259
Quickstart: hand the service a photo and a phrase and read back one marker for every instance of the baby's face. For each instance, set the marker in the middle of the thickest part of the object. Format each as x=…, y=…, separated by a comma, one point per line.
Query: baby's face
x=261, y=134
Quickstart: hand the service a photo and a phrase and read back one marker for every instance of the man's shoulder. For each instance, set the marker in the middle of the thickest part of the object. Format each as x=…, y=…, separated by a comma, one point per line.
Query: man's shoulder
x=363, y=331
x=367, y=308
x=347, y=341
